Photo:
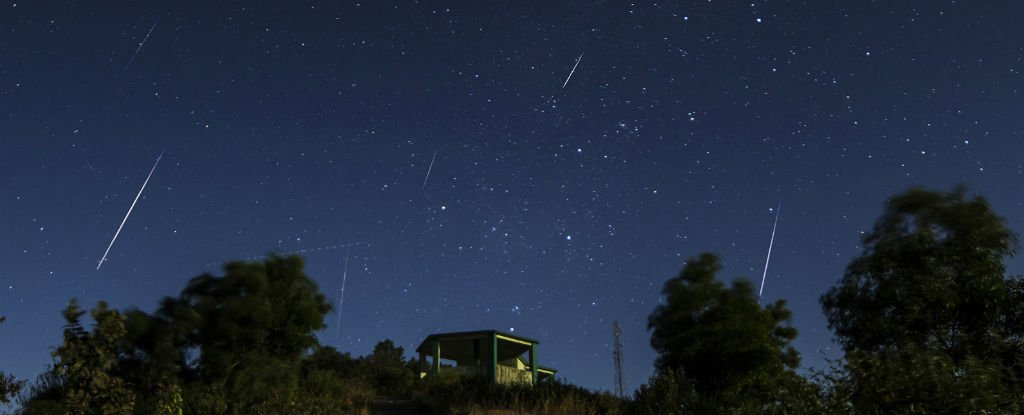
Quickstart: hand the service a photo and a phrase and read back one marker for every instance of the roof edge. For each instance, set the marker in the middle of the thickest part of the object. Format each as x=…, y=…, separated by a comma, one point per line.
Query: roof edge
x=427, y=339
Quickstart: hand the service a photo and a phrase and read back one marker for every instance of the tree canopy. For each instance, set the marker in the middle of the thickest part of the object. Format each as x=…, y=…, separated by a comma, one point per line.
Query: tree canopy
x=87, y=361
x=9, y=385
x=251, y=326
x=721, y=338
x=927, y=312
x=931, y=276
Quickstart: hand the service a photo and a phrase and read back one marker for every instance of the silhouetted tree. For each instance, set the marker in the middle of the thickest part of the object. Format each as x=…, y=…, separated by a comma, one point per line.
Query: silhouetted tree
x=927, y=316
x=328, y=358
x=334, y=382
x=666, y=393
x=9, y=385
x=730, y=348
x=44, y=396
x=251, y=328
x=154, y=361
x=87, y=363
x=391, y=374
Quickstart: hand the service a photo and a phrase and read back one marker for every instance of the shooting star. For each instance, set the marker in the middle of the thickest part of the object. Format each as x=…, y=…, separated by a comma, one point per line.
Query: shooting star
x=104, y=258
x=573, y=70
x=341, y=299
x=297, y=251
x=770, y=243
x=428, y=170
x=140, y=45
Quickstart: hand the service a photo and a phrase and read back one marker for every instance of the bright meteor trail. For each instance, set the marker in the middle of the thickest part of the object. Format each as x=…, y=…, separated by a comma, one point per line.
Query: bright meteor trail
x=140, y=46
x=428, y=170
x=772, y=242
x=100, y=264
x=572, y=71
x=341, y=299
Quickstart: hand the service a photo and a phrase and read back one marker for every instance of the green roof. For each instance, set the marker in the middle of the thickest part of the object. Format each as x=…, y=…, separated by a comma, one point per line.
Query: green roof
x=469, y=334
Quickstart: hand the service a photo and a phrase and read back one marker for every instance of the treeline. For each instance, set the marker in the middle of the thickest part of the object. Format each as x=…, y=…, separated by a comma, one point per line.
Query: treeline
x=239, y=344
x=927, y=317
x=244, y=343
x=929, y=321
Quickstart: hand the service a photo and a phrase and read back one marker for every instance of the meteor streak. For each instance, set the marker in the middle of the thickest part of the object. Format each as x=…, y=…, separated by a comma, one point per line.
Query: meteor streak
x=770, y=243
x=428, y=170
x=140, y=45
x=341, y=299
x=297, y=251
x=104, y=258
x=573, y=70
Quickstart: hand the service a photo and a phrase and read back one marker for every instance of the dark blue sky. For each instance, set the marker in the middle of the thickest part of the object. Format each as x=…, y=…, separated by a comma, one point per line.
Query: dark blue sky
x=548, y=211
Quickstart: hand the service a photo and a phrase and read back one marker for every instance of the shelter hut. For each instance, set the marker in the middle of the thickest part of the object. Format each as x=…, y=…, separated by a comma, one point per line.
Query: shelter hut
x=490, y=353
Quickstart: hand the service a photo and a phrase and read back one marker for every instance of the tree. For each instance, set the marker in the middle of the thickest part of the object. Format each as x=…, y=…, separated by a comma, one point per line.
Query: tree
x=329, y=359
x=251, y=328
x=9, y=385
x=667, y=393
x=727, y=344
x=917, y=381
x=153, y=361
x=44, y=396
x=391, y=375
x=386, y=354
x=87, y=363
x=926, y=310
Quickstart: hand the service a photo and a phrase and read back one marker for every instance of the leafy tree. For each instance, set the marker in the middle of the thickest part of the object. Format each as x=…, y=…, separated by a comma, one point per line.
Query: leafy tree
x=87, y=363
x=914, y=381
x=325, y=392
x=251, y=328
x=44, y=396
x=727, y=343
x=931, y=276
x=204, y=398
x=386, y=354
x=153, y=361
x=329, y=359
x=333, y=381
x=391, y=375
x=9, y=385
x=667, y=393
x=926, y=312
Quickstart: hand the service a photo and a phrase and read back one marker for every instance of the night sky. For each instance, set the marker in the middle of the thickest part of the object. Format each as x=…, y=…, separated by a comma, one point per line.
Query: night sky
x=549, y=211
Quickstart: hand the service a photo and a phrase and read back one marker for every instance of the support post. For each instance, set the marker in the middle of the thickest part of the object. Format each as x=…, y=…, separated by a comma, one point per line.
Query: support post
x=533, y=361
x=494, y=357
x=477, y=363
x=423, y=365
x=437, y=358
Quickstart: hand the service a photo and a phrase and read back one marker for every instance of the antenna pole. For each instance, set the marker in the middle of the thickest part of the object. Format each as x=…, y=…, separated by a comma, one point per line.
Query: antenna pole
x=620, y=389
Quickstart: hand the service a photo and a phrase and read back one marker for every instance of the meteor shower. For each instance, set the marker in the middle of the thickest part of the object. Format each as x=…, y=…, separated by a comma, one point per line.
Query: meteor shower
x=546, y=208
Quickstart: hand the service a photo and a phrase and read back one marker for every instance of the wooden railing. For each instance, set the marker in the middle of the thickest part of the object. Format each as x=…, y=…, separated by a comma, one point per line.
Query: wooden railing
x=511, y=375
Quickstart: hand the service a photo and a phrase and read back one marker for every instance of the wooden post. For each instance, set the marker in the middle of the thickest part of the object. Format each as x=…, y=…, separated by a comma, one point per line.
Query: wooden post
x=533, y=361
x=423, y=364
x=477, y=364
x=494, y=357
x=437, y=357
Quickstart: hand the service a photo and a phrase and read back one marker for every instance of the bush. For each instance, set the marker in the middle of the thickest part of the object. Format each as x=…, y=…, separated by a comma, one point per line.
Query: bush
x=666, y=394
x=323, y=392
x=44, y=396
x=456, y=395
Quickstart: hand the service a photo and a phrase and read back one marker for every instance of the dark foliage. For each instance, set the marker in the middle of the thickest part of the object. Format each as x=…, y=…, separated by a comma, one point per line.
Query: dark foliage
x=457, y=395
x=44, y=396
x=9, y=385
x=726, y=343
x=927, y=316
x=929, y=321
x=86, y=363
